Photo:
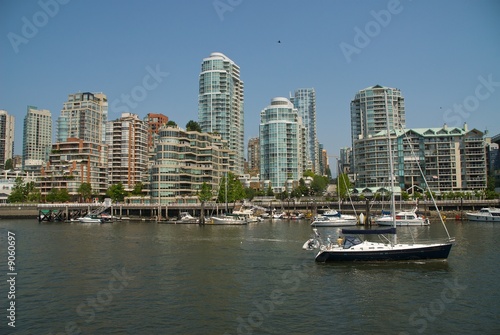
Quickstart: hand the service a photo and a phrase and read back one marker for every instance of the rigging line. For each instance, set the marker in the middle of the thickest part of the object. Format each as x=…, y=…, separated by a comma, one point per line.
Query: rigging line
x=347, y=190
x=425, y=181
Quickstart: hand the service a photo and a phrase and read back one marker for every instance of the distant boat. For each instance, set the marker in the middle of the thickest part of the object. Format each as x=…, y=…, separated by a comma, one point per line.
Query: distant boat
x=228, y=219
x=333, y=218
x=405, y=218
x=487, y=214
x=90, y=219
x=248, y=213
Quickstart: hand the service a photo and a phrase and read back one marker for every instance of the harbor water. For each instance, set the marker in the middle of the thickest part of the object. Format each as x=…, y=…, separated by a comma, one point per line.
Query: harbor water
x=148, y=278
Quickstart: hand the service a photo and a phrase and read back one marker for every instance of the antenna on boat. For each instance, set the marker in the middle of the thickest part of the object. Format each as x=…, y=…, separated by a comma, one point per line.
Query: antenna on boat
x=391, y=167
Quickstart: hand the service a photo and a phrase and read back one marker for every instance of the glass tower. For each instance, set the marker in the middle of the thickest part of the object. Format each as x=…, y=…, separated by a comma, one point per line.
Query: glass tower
x=220, y=103
x=368, y=111
x=304, y=100
x=280, y=143
x=83, y=116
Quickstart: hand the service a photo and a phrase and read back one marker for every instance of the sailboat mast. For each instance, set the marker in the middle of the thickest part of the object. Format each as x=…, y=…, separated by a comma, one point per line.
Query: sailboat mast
x=391, y=167
x=226, y=182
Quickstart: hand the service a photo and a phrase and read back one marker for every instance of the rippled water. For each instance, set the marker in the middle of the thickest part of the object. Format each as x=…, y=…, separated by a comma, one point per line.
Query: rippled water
x=145, y=278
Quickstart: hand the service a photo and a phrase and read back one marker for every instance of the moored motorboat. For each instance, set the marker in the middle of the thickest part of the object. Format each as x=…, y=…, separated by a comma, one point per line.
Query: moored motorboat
x=404, y=218
x=486, y=214
x=90, y=219
x=228, y=219
x=333, y=218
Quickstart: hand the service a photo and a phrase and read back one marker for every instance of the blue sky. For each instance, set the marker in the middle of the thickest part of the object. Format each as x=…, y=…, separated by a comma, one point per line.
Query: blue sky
x=443, y=55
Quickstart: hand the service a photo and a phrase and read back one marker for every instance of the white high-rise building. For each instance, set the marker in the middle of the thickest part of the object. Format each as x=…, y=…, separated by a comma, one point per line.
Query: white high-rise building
x=83, y=116
x=6, y=136
x=220, y=103
x=368, y=111
x=37, y=138
x=281, y=147
x=304, y=100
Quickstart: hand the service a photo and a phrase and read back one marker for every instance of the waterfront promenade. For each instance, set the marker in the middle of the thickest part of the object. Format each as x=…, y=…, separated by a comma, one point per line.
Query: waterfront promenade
x=66, y=211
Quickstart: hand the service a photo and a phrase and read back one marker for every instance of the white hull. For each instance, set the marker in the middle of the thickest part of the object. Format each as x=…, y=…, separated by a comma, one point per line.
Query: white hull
x=480, y=217
x=408, y=218
x=387, y=221
x=333, y=223
x=89, y=220
x=228, y=221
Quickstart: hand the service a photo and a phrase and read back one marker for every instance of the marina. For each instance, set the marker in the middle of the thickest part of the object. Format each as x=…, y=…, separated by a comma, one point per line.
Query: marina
x=191, y=279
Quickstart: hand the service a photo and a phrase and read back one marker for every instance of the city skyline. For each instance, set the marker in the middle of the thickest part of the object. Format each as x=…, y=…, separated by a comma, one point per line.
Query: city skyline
x=440, y=55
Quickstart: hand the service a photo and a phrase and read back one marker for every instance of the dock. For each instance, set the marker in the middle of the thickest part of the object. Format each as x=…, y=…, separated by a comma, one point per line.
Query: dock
x=57, y=212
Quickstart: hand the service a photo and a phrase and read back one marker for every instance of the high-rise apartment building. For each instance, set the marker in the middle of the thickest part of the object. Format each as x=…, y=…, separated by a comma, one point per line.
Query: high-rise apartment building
x=304, y=100
x=452, y=159
x=280, y=144
x=220, y=103
x=37, y=138
x=154, y=122
x=72, y=163
x=368, y=111
x=184, y=161
x=6, y=137
x=127, y=141
x=83, y=116
x=345, y=159
x=253, y=155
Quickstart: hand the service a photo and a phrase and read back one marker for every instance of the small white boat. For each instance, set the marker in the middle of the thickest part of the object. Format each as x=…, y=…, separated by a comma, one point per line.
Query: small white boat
x=324, y=221
x=333, y=218
x=487, y=214
x=406, y=218
x=228, y=219
x=186, y=217
x=248, y=214
x=278, y=216
x=90, y=219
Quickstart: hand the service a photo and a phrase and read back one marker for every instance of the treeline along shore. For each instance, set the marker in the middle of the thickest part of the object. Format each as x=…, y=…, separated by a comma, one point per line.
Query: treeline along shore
x=451, y=208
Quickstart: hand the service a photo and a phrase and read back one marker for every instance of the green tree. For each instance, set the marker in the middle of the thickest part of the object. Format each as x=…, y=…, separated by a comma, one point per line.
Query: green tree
x=17, y=194
x=63, y=195
x=9, y=164
x=405, y=196
x=319, y=184
x=235, y=189
x=85, y=191
x=116, y=192
x=344, y=185
x=308, y=173
x=137, y=189
x=250, y=193
x=171, y=124
x=52, y=195
x=204, y=195
x=270, y=192
x=193, y=126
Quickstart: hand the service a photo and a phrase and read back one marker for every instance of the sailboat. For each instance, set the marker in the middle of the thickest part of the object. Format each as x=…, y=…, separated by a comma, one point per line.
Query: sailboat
x=227, y=218
x=350, y=247
x=333, y=218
